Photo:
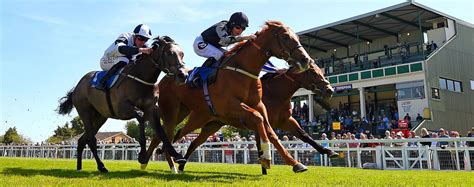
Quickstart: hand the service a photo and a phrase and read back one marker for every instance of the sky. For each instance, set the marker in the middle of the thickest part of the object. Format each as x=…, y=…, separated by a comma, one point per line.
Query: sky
x=48, y=45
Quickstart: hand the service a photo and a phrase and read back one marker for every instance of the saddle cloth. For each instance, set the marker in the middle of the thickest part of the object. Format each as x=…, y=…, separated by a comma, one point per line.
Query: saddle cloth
x=98, y=75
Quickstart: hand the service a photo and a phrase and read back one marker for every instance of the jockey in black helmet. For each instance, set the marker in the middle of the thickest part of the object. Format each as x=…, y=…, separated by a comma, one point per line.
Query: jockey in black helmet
x=210, y=42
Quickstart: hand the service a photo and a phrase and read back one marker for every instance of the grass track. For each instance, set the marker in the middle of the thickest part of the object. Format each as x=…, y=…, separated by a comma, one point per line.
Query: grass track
x=58, y=172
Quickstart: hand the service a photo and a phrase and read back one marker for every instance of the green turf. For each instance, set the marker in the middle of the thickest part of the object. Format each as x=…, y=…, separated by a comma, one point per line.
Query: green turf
x=59, y=172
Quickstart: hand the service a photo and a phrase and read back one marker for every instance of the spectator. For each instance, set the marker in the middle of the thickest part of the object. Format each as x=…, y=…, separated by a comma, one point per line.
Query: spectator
x=425, y=134
x=443, y=134
x=434, y=135
x=455, y=134
x=363, y=137
x=419, y=118
x=411, y=136
x=428, y=48
x=407, y=117
x=399, y=136
x=387, y=51
x=356, y=59
x=388, y=137
x=433, y=46
x=470, y=134
x=324, y=137
x=354, y=144
x=229, y=154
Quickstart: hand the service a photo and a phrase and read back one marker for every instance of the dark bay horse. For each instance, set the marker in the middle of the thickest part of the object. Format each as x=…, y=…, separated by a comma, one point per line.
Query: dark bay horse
x=132, y=97
x=236, y=94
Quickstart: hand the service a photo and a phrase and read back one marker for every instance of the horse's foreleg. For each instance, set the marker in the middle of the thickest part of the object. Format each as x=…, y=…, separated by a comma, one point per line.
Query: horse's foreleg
x=257, y=137
x=297, y=167
x=294, y=128
x=142, y=156
x=155, y=121
x=254, y=118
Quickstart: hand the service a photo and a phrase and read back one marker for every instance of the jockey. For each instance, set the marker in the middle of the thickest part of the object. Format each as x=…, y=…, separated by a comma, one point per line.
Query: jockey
x=125, y=49
x=209, y=44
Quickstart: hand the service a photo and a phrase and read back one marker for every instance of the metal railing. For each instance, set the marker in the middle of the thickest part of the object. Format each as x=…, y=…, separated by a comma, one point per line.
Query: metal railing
x=388, y=154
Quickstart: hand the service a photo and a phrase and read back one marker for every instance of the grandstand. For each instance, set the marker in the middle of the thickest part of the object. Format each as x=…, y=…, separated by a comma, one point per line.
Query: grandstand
x=404, y=59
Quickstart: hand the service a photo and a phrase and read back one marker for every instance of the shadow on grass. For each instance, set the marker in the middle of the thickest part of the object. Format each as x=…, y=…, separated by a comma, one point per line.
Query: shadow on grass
x=187, y=176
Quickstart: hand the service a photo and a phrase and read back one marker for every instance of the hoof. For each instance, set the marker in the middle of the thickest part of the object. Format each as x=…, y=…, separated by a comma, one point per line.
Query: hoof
x=265, y=163
x=143, y=166
x=103, y=170
x=333, y=154
x=181, y=161
x=298, y=168
x=181, y=167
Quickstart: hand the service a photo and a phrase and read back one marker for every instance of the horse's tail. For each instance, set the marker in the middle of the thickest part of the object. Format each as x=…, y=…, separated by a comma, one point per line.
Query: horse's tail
x=65, y=103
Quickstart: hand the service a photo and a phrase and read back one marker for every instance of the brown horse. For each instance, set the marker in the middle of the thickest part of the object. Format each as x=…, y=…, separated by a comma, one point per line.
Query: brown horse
x=132, y=97
x=237, y=92
x=277, y=93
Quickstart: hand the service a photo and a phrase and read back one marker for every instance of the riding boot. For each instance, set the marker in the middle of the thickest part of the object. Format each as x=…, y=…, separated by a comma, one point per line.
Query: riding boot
x=110, y=73
x=209, y=62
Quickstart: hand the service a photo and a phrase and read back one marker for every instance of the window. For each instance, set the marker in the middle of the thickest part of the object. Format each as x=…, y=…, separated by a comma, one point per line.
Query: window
x=442, y=83
x=472, y=85
x=451, y=85
x=457, y=86
x=417, y=92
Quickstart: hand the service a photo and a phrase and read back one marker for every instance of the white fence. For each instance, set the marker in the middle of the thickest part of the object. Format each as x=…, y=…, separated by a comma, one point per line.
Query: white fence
x=390, y=154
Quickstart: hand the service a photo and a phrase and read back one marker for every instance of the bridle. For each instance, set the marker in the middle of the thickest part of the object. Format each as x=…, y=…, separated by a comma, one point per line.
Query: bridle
x=160, y=63
x=282, y=47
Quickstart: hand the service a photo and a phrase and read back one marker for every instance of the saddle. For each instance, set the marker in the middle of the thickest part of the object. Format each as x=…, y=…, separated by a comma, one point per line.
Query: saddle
x=99, y=75
x=206, y=74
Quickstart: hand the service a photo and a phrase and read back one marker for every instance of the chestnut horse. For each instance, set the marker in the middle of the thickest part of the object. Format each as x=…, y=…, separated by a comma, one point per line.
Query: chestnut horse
x=237, y=92
x=132, y=97
x=277, y=93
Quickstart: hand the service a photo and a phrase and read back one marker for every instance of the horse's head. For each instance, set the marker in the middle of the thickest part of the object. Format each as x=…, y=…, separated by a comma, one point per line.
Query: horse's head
x=168, y=56
x=313, y=79
x=285, y=44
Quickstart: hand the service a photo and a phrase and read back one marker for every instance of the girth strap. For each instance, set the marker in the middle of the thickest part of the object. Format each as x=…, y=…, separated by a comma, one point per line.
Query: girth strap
x=207, y=97
x=242, y=72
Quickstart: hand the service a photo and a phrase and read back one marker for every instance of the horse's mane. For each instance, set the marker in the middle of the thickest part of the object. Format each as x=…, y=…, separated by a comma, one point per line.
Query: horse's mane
x=165, y=38
x=263, y=30
x=268, y=76
x=235, y=48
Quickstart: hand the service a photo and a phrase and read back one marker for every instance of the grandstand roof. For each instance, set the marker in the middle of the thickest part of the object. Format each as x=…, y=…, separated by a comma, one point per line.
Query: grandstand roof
x=390, y=21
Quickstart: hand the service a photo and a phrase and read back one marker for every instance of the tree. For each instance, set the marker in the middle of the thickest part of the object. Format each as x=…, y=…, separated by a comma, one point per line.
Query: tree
x=12, y=136
x=65, y=132
x=77, y=125
x=132, y=129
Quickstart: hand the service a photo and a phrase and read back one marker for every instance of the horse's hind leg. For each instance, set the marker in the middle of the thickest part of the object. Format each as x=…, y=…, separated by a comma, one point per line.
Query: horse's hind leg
x=254, y=120
x=209, y=129
x=81, y=143
x=92, y=141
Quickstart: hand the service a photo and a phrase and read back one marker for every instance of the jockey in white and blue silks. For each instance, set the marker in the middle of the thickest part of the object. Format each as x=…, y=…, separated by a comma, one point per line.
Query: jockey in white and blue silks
x=210, y=42
x=124, y=50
